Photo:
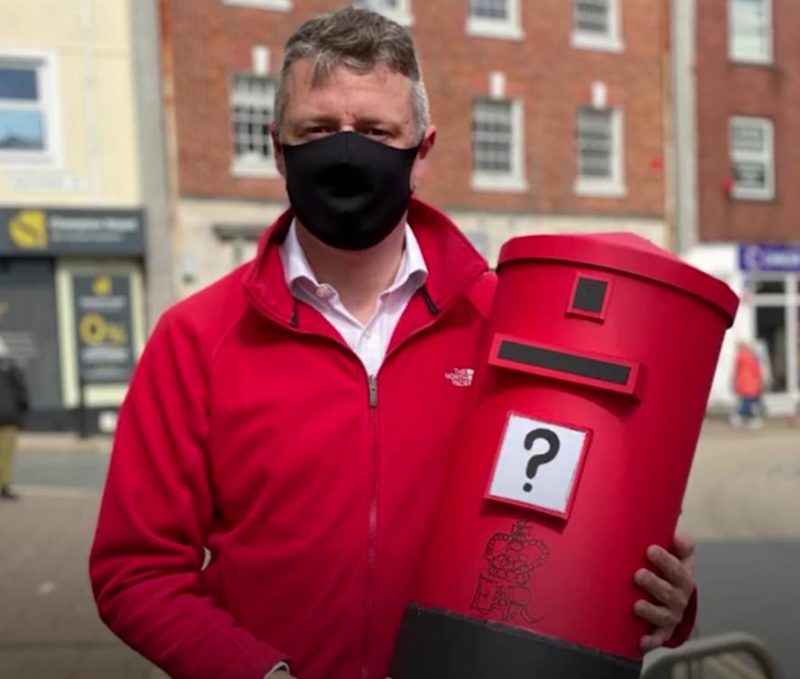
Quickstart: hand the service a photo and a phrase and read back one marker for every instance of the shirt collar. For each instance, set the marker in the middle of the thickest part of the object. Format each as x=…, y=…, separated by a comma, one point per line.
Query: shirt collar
x=298, y=271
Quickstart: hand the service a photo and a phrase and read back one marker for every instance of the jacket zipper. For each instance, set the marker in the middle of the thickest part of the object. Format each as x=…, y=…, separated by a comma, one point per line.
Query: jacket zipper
x=369, y=608
x=373, y=391
x=369, y=605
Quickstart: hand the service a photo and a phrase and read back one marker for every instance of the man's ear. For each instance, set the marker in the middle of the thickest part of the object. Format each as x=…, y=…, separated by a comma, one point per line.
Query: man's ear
x=276, y=144
x=420, y=168
x=428, y=142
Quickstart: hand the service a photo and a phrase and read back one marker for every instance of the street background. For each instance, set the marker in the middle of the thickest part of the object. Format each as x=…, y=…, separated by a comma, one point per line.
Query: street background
x=742, y=506
x=137, y=167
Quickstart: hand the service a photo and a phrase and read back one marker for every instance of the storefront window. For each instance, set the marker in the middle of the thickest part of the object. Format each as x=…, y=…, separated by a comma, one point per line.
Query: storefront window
x=28, y=326
x=796, y=385
x=763, y=286
x=771, y=333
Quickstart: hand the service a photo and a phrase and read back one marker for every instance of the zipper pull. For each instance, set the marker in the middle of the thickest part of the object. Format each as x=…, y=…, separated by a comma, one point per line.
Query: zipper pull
x=373, y=391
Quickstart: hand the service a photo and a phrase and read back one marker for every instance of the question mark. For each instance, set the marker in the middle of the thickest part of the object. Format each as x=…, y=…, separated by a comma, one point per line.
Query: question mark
x=538, y=460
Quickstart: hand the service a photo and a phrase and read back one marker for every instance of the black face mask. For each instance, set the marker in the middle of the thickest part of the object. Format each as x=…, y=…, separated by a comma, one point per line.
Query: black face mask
x=349, y=191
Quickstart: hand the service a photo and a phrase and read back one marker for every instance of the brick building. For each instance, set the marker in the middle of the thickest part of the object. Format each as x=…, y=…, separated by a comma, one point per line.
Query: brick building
x=550, y=116
x=744, y=219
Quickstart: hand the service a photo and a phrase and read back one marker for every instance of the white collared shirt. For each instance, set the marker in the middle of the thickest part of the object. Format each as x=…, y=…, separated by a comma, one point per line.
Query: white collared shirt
x=370, y=340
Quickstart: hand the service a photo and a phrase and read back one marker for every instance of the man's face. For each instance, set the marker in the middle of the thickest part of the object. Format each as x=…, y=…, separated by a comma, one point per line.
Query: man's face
x=376, y=104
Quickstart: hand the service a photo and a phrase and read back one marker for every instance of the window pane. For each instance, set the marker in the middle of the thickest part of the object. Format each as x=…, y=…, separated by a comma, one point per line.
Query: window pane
x=489, y=9
x=750, y=29
x=751, y=154
x=593, y=16
x=748, y=138
x=766, y=286
x=251, y=116
x=771, y=330
x=378, y=5
x=595, y=144
x=750, y=175
x=22, y=131
x=19, y=83
x=493, y=136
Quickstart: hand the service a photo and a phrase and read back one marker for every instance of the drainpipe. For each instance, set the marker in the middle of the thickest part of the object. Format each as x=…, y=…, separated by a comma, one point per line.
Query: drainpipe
x=156, y=149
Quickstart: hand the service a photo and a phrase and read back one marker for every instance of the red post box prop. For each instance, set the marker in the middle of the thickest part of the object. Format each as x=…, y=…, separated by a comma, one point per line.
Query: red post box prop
x=573, y=459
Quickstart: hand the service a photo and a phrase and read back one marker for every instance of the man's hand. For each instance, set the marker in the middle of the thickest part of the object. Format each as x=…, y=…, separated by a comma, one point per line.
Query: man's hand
x=671, y=589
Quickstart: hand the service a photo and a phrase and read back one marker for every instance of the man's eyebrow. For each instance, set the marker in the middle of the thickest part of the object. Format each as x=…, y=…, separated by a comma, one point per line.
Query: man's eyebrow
x=334, y=121
x=319, y=120
x=378, y=121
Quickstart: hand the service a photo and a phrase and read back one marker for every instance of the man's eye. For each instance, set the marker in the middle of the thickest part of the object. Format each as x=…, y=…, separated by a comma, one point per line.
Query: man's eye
x=319, y=130
x=376, y=132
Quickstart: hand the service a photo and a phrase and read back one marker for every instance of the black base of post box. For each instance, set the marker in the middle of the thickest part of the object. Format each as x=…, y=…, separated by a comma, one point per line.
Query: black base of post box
x=437, y=644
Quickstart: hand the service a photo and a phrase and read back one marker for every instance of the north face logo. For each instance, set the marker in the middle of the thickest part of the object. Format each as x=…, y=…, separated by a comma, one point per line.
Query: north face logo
x=460, y=377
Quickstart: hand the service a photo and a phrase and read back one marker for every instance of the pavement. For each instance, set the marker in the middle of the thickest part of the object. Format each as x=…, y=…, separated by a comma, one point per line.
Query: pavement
x=62, y=443
x=48, y=625
x=745, y=485
x=49, y=628
x=742, y=505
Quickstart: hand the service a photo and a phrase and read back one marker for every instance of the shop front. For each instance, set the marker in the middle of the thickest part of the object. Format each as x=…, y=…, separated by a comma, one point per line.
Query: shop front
x=772, y=291
x=72, y=310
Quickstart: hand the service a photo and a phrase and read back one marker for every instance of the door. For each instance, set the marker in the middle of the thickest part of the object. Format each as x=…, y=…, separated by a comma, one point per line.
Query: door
x=29, y=326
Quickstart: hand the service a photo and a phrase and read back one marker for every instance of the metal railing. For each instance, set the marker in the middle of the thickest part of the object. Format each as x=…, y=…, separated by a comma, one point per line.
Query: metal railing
x=696, y=655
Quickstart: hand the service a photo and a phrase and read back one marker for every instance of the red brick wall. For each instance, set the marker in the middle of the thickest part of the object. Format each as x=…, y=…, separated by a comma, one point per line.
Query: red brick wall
x=210, y=41
x=724, y=89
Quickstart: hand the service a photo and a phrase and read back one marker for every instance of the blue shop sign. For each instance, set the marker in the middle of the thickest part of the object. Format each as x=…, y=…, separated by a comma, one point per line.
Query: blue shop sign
x=769, y=257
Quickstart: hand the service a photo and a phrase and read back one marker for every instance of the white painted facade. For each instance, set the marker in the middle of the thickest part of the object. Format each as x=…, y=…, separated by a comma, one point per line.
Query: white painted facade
x=204, y=254
x=489, y=231
x=204, y=250
x=768, y=317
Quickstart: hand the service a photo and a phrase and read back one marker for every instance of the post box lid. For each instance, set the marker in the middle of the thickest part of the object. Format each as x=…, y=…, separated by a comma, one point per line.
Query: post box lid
x=625, y=253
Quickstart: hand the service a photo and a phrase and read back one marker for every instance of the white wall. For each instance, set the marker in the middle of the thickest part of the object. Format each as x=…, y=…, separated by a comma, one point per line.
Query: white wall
x=488, y=231
x=201, y=257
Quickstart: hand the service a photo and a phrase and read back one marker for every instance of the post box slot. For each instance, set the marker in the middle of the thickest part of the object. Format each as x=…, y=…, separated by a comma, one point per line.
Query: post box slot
x=595, y=371
x=590, y=295
x=589, y=298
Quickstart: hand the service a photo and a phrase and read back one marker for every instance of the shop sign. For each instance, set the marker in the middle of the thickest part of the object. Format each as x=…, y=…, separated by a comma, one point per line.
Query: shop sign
x=104, y=328
x=777, y=257
x=31, y=232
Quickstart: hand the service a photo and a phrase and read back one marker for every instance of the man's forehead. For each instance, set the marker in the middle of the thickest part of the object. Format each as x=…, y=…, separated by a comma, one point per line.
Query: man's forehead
x=308, y=74
x=381, y=87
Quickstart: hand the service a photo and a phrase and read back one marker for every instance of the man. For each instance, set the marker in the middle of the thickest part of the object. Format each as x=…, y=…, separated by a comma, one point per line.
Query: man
x=294, y=419
x=13, y=408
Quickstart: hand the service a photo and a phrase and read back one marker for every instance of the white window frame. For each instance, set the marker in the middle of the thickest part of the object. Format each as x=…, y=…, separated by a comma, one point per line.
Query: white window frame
x=275, y=5
x=767, y=157
x=47, y=68
x=767, y=58
x=507, y=29
x=243, y=166
x=613, y=187
x=612, y=42
x=514, y=181
x=401, y=14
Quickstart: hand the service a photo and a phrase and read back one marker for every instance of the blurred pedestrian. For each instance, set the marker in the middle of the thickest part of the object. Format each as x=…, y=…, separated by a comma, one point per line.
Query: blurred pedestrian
x=748, y=385
x=13, y=408
x=293, y=422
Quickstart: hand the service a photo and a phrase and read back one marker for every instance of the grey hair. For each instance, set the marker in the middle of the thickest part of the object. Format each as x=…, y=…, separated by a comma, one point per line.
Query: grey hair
x=360, y=40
